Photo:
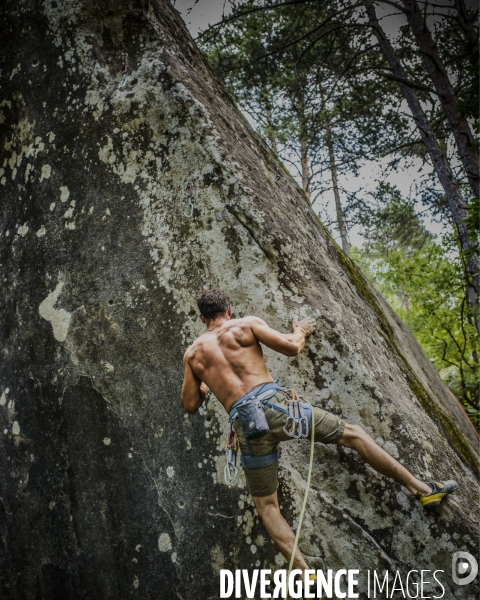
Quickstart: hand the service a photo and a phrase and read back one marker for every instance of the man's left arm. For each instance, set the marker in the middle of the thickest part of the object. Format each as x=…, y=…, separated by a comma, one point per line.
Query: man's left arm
x=194, y=390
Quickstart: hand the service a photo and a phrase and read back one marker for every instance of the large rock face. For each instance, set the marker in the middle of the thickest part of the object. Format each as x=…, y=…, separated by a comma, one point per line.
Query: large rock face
x=107, y=489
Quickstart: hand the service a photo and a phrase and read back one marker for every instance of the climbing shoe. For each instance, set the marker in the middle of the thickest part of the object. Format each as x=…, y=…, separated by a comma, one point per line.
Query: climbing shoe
x=440, y=489
x=313, y=587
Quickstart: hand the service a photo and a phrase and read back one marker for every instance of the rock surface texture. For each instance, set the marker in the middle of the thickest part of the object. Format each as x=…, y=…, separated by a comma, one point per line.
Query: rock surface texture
x=108, y=490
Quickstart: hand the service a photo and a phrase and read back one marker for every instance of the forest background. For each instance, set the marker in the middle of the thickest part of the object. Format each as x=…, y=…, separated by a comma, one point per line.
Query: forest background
x=373, y=108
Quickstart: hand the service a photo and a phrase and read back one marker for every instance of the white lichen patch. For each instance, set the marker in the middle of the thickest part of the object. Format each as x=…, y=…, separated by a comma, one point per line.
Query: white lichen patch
x=41, y=232
x=280, y=560
x=217, y=558
x=59, y=318
x=170, y=472
x=69, y=212
x=109, y=368
x=164, y=542
x=64, y=193
x=46, y=172
x=16, y=428
x=107, y=441
x=3, y=397
x=22, y=231
x=391, y=448
x=136, y=582
x=93, y=100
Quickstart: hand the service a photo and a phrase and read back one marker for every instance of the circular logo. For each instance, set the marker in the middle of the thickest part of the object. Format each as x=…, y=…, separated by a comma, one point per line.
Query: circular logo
x=468, y=562
x=251, y=425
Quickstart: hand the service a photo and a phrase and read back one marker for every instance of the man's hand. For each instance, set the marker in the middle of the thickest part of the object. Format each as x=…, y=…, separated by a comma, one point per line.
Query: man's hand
x=308, y=325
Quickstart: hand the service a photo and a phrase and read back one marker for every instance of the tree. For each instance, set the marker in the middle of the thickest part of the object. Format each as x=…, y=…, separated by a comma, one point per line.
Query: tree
x=431, y=131
x=313, y=114
x=423, y=282
x=457, y=204
x=436, y=70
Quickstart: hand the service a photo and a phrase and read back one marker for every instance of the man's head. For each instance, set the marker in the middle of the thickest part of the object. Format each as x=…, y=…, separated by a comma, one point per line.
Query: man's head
x=213, y=304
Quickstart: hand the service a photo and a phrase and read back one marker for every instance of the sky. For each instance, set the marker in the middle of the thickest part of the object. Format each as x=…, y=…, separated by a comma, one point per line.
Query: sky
x=199, y=14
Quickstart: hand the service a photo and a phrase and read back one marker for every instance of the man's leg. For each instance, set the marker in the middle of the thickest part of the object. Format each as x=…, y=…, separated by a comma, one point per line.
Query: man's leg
x=356, y=438
x=278, y=529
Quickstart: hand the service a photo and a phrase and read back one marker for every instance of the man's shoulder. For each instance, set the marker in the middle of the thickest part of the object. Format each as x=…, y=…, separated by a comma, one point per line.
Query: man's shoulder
x=248, y=320
x=190, y=351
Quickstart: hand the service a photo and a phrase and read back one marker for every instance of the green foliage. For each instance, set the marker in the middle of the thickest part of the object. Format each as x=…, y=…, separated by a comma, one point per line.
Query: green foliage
x=423, y=281
x=316, y=85
x=303, y=74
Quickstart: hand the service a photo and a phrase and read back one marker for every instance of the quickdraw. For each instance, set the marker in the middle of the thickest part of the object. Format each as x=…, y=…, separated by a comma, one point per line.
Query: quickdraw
x=296, y=425
x=124, y=76
x=191, y=201
x=231, y=448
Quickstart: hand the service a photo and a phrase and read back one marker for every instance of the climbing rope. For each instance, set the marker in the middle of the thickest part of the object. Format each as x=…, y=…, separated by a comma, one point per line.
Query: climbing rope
x=307, y=489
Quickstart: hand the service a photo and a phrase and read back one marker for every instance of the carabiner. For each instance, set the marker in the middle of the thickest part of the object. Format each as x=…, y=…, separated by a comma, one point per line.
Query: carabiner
x=191, y=200
x=303, y=420
x=230, y=473
x=289, y=430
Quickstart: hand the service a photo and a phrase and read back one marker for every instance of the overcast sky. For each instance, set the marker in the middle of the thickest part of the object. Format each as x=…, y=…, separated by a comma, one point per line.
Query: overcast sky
x=198, y=15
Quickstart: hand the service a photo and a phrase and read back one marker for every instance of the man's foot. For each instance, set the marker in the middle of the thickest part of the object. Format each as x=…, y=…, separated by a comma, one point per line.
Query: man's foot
x=312, y=589
x=440, y=489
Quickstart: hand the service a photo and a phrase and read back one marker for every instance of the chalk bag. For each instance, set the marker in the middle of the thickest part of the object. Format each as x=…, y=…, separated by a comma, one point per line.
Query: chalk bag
x=252, y=418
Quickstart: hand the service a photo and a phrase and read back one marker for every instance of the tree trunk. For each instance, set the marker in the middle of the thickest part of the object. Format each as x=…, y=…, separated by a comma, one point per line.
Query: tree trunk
x=305, y=167
x=108, y=491
x=455, y=200
x=458, y=124
x=336, y=192
x=469, y=33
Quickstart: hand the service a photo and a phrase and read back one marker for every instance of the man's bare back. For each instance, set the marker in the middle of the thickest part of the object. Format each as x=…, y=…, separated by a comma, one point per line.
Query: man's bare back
x=228, y=357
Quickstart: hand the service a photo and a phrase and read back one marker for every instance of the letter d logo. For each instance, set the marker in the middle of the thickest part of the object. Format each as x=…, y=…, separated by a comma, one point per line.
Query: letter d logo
x=462, y=567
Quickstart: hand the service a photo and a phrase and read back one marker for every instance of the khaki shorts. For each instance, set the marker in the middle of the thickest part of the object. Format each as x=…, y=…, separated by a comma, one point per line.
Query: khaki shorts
x=264, y=481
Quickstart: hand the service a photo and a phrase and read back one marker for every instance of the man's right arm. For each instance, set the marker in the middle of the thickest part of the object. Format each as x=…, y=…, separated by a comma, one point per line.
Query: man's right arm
x=289, y=344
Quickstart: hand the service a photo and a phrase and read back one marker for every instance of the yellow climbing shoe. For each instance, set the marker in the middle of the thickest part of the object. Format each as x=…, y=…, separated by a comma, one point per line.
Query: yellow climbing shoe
x=440, y=489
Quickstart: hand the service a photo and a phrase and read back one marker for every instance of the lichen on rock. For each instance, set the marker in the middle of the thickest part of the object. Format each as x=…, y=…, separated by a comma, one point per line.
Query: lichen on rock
x=101, y=265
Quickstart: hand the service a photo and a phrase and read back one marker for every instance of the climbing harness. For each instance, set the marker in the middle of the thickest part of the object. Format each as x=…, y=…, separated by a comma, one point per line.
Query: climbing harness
x=254, y=423
x=191, y=201
x=124, y=76
x=296, y=425
x=305, y=497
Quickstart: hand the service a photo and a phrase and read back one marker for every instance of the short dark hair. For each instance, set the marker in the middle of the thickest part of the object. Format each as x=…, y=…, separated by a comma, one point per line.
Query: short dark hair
x=213, y=303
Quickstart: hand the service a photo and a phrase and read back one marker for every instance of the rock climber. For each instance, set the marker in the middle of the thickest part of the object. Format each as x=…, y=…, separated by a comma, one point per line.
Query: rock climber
x=228, y=359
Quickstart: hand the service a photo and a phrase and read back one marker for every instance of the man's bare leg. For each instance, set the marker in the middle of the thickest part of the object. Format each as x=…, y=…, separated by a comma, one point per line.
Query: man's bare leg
x=356, y=438
x=278, y=529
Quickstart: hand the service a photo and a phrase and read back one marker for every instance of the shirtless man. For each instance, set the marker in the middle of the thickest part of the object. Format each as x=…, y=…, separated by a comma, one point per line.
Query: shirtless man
x=228, y=359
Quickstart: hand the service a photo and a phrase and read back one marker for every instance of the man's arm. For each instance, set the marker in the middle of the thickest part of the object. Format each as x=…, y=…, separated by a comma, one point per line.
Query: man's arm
x=194, y=390
x=289, y=344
